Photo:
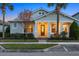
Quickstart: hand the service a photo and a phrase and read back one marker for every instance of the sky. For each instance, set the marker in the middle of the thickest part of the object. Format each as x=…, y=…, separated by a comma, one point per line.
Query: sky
x=71, y=9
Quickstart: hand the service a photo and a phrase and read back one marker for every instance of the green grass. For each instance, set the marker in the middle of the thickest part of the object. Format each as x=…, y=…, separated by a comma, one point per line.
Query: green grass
x=27, y=46
x=62, y=40
x=18, y=40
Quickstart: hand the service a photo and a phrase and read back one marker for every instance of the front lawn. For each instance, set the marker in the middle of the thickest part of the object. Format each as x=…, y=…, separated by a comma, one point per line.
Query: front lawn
x=34, y=40
x=27, y=46
x=19, y=40
x=62, y=40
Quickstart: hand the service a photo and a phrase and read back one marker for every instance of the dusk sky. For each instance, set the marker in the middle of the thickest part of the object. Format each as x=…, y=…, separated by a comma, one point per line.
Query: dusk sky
x=71, y=9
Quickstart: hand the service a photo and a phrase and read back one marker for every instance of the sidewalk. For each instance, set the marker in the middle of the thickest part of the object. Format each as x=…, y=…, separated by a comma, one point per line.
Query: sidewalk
x=39, y=42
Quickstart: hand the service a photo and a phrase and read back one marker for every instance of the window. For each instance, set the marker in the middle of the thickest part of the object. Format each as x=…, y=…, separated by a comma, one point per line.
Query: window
x=53, y=28
x=42, y=28
x=39, y=12
x=29, y=28
x=42, y=13
x=65, y=28
x=14, y=24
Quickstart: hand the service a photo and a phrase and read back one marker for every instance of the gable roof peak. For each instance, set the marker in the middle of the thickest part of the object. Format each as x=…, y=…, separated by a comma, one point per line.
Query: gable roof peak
x=40, y=9
x=61, y=13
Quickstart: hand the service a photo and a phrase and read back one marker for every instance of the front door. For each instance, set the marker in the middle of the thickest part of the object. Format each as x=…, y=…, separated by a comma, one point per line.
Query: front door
x=42, y=30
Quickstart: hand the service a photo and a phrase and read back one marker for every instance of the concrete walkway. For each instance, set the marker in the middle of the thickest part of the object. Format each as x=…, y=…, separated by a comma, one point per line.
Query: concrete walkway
x=39, y=42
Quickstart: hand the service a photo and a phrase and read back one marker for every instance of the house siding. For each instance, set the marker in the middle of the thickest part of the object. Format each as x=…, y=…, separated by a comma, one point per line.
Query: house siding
x=19, y=28
x=37, y=15
x=1, y=28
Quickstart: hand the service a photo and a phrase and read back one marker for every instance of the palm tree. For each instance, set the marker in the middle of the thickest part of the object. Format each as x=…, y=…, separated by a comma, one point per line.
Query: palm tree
x=58, y=7
x=3, y=7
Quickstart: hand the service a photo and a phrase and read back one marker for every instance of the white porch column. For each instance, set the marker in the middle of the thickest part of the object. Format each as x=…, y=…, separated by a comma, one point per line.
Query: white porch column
x=49, y=32
x=35, y=30
x=68, y=31
x=61, y=28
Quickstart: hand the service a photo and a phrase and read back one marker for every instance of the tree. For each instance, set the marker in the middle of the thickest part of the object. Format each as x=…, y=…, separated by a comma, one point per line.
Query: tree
x=58, y=7
x=25, y=15
x=3, y=9
x=74, y=30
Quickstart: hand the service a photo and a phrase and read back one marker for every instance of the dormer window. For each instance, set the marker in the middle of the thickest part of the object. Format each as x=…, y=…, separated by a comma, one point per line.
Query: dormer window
x=41, y=13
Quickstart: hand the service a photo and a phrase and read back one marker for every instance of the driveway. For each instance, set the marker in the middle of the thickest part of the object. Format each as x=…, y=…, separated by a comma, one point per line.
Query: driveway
x=65, y=48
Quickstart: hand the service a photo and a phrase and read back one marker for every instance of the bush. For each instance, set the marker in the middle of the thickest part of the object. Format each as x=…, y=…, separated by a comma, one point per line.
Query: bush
x=18, y=36
x=60, y=38
x=0, y=34
x=22, y=36
x=30, y=36
x=74, y=31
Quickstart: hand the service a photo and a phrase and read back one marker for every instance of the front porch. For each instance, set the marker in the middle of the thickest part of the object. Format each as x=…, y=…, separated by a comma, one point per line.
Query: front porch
x=46, y=29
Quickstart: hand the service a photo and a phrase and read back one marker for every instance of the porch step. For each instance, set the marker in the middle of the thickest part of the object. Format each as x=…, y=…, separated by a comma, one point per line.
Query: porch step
x=42, y=40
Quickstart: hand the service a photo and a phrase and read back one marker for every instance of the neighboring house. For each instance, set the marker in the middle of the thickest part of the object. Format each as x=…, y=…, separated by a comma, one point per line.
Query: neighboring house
x=1, y=26
x=42, y=24
x=77, y=17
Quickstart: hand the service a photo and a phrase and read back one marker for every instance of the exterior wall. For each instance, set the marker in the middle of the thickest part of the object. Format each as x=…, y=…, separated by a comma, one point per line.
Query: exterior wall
x=65, y=19
x=36, y=15
x=49, y=18
x=1, y=28
x=19, y=28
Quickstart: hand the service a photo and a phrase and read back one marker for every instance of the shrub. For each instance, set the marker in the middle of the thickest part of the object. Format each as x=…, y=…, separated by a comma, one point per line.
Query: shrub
x=18, y=36
x=22, y=36
x=60, y=38
x=0, y=34
x=30, y=36
x=74, y=30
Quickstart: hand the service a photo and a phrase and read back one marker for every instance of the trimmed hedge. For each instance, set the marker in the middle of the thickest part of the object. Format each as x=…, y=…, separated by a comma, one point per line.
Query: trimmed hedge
x=22, y=36
x=30, y=36
x=17, y=36
x=61, y=38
